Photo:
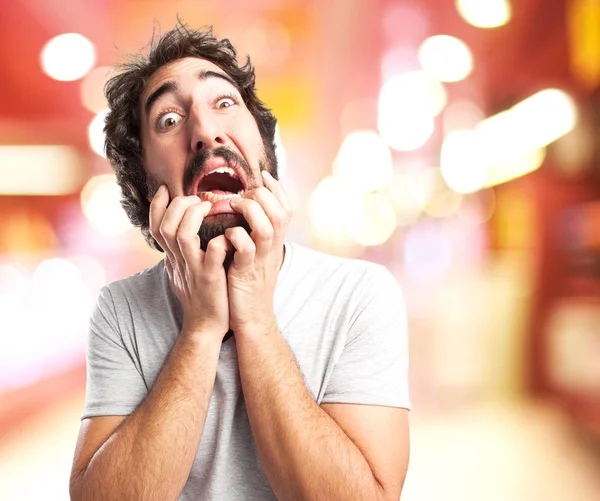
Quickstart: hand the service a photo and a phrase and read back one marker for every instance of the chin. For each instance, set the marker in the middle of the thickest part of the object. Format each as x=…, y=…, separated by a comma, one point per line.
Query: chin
x=216, y=224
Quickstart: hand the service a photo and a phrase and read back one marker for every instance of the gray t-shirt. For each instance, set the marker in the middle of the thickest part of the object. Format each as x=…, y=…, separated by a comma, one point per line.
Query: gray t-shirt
x=343, y=319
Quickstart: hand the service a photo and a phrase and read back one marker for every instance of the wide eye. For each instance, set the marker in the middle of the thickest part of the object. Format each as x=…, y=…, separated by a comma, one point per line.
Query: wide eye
x=225, y=102
x=168, y=120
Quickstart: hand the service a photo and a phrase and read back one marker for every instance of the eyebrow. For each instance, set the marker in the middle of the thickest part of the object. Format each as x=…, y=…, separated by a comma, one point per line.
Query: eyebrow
x=171, y=87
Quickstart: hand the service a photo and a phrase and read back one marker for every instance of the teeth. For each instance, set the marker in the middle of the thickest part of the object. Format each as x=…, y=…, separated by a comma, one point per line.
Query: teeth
x=213, y=197
x=225, y=170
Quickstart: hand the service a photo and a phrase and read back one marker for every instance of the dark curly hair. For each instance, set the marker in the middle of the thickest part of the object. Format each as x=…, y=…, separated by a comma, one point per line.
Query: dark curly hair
x=123, y=91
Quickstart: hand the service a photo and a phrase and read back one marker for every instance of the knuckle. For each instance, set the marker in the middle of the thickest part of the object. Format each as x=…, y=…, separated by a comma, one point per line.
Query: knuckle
x=262, y=191
x=266, y=232
x=166, y=230
x=184, y=238
x=246, y=248
x=214, y=244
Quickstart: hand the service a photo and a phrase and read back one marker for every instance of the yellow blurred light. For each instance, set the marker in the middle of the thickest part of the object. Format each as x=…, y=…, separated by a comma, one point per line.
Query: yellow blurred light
x=544, y=117
x=364, y=162
x=413, y=92
x=507, y=145
x=432, y=193
x=371, y=220
x=68, y=57
x=92, y=89
x=485, y=13
x=39, y=170
x=96, y=134
x=407, y=104
x=462, y=162
x=405, y=132
x=447, y=58
x=100, y=200
x=327, y=205
x=510, y=169
x=513, y=137
x=583, y=30
x=398, y=191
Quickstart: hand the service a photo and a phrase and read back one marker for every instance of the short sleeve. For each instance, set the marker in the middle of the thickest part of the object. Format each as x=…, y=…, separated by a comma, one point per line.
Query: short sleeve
x=373, y=366
x=114, y=386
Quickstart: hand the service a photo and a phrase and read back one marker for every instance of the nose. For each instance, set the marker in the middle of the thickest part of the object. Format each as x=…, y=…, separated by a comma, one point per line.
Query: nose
x=206, y=132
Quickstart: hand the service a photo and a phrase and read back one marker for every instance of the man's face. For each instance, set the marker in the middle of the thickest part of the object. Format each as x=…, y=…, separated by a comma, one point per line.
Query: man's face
x=199, y=138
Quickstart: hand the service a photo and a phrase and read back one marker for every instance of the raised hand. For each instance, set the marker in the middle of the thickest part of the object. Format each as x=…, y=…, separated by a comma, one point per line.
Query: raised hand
x=252, y=275
x=198, y=279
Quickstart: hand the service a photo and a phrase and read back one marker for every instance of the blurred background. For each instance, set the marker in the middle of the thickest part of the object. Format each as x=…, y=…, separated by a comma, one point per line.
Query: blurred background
x=455, y=142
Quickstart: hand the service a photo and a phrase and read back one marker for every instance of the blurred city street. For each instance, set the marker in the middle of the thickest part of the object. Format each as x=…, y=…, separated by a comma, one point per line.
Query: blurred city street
x=455, y=142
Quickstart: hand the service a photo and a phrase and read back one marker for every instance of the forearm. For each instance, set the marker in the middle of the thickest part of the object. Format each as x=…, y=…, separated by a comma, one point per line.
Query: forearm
x=303, y=451
x=150, y=455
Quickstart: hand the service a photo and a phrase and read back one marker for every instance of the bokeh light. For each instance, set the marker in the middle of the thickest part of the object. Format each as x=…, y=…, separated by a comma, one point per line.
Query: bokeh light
x=68, y=57
x=96, y=134
x=433, y=194
x=407, y=105
x=485, y=13
x=100, y=200
x=507, y=145
x=326, y=206
x=364, y=162
x=92, y=89
x=462, y=162
x=446, y=57
x=371, y=220
x=39, y=169
x=399, y=192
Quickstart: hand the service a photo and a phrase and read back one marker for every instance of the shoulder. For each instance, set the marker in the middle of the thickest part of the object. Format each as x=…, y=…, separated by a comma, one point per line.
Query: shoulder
x=327, y=268
x=131, y=298
x=142, y=286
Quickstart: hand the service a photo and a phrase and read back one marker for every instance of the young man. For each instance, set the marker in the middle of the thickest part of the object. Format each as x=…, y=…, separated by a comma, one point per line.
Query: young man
x=241, y=367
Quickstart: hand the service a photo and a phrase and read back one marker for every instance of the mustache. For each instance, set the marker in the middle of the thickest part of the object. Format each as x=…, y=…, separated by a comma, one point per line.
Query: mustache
x=198, y=164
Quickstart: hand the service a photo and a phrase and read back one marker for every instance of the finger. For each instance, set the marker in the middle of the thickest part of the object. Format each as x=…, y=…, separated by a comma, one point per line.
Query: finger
x=277, y=215
x=158, y=207
x=262, y=229
x=187, y=234
x=275, y=187
x=169, y=267
x=171, y=221
x=245, y=249
x=216, y=252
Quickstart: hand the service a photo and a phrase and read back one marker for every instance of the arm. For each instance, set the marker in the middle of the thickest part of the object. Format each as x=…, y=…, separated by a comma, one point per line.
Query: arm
x=340, y=451
x=149, y=456
x=337, y=452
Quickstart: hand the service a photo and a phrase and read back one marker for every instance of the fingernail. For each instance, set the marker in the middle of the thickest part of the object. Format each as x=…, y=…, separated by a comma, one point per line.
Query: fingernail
x=234, y=201
x=161, y=190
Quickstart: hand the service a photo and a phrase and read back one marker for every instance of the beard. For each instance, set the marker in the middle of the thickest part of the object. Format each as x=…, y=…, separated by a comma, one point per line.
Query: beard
x=214, y=226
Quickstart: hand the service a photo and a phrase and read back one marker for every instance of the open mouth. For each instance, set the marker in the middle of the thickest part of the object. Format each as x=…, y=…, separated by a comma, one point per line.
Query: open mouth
x=220, y=184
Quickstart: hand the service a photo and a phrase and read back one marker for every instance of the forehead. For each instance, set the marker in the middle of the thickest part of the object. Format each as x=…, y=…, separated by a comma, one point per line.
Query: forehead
x=176, y=71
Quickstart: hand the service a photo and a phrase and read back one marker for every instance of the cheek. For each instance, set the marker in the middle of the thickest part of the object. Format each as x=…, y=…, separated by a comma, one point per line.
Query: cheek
x=251, y=141
x=165, y=164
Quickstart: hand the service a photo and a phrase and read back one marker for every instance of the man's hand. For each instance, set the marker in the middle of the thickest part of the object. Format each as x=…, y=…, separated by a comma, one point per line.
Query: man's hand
x=197, y=278
x=258, y=257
